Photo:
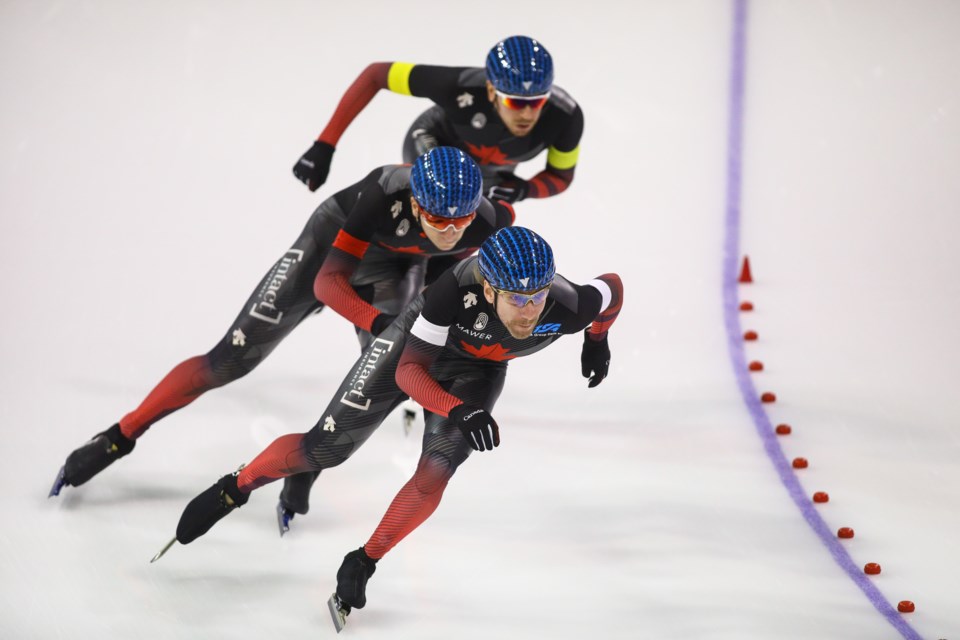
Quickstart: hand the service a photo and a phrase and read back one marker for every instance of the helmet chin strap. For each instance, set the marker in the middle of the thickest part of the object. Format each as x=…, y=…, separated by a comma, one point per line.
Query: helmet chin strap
x=415, y=209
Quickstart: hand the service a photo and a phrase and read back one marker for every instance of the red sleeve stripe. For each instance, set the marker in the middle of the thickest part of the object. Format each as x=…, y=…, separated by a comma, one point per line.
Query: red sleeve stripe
x=560, y=183
x=536, y=188
x=332, y=287
x=417, y=383
x=606, y=317
x=549, y=183
x=358, y=95
x=348, y=244
x=414, y=379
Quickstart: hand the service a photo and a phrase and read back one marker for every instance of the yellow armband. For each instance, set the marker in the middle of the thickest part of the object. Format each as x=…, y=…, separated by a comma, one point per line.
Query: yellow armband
x=562, y=159
x=398, y=78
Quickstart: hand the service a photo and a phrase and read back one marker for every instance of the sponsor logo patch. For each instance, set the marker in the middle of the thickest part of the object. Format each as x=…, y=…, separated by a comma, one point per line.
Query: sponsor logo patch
x=354, y=396
x=266, y=309
x=552, y=327
x=474, y=334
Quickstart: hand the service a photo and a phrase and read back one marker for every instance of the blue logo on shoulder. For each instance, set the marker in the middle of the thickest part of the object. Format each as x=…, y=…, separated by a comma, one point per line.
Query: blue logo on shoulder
x=546, y=328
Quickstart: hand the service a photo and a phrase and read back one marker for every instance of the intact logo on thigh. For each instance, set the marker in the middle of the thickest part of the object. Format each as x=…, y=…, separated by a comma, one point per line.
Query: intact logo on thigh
x=354, y=397
x=266, y=309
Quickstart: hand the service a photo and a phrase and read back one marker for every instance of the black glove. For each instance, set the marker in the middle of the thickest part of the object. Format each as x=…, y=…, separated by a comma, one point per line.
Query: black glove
x=381, y=322
x=595, y=358
x=477, y=426
x=511, y=189
x=314, y=165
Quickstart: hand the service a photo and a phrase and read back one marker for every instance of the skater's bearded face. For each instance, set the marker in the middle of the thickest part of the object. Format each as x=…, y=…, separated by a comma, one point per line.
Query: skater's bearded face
x=443, y=232
x=519, y=113
x=519, y=312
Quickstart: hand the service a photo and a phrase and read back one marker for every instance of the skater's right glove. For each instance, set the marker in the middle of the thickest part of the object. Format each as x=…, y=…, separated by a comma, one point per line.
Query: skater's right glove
x=314, y=165
x=477, y=426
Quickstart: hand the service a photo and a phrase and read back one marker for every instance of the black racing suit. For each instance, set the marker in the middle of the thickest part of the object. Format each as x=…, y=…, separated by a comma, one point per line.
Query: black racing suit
x=374, y=258
x=464, y=117
x=447, y=348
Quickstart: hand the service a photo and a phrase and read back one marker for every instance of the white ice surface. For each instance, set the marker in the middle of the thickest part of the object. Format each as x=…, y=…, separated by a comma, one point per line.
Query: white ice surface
x=145, y=187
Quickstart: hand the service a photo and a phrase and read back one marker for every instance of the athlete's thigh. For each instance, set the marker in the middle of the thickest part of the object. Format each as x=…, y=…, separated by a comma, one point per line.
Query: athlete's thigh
x=281, y=300
x=368, y=393
x=478, y=385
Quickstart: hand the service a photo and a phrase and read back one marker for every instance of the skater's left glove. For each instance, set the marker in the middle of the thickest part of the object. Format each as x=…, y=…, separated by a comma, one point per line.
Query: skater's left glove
x=477, y=426
x=595, y=358
x=512, y=189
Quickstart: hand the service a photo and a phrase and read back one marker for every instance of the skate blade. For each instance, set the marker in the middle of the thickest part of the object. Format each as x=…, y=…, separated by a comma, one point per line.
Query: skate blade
x=59, y=483
x=164, y=550
x=284, y=516
x=337, y=612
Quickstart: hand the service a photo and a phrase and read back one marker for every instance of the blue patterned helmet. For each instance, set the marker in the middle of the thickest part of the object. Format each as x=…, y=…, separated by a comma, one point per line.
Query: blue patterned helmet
x=446, y=182
x=520, y=66
x=517, y=259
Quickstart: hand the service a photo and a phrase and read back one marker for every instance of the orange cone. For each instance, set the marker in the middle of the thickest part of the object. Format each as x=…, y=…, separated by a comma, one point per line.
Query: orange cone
x=745, y=275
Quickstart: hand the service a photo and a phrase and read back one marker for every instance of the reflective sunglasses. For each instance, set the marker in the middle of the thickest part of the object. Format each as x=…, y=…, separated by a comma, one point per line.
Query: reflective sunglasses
x=441, y=223
x=517, y=299
x=519, y=103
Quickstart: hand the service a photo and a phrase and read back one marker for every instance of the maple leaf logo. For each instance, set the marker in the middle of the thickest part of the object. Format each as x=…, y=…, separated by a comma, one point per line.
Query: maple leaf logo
x=494, y=352
x=239, y=338
x=329, y=424
x=464, y=100
x=488, y=155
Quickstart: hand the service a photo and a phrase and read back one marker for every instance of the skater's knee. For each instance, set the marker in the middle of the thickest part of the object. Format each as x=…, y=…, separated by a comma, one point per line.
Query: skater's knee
x=227, y=362
x=322, y=449
x=433, y=473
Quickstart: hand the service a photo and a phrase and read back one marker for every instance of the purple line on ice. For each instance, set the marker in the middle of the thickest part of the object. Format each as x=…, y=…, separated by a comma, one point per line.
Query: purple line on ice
x=735, y=335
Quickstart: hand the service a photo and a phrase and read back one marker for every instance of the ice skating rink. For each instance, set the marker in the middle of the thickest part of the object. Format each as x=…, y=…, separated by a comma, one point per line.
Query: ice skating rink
x=145, y=187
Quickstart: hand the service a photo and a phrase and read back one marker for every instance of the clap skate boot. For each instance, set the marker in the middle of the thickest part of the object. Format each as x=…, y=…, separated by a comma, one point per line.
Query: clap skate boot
x=96, y=455
x=211, y=506
x=351, y=591
x=294, y=498
x=352, y=578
